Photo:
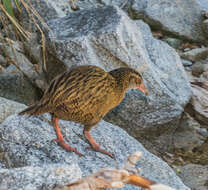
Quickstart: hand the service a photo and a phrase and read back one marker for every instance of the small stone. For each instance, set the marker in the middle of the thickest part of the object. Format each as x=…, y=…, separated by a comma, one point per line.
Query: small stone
x=187, y=49
x=197, y=69
x=186, y=63
x=173, y=42
x=194, y=55
x=205, y=75
x=3, y=61
x=203, y=132
x=205, y=27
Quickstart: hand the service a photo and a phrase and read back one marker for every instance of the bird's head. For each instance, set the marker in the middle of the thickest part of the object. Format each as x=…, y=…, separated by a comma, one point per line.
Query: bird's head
x=135, y=81
x=129, y=78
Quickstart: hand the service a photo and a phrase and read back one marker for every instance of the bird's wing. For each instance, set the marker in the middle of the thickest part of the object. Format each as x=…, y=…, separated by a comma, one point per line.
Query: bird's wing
x=79, y=87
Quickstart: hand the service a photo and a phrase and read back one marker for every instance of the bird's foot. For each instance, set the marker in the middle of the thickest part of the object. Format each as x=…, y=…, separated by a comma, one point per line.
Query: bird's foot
x=95, y=146
x=66, y=146
x=98, y=149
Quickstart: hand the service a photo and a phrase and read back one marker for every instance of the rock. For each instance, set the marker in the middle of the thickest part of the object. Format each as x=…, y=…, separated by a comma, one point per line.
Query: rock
x=36, y=178
x=203, y=4
x=16, y=87
x=8, y=107
x=1, y=69
x=205, y=27
x=3, y=61
x=187, y=64
x=106, y=37
x=198, y=105
x=198, y=68
x=13, y=84
x=195, y=176
x=195, y=54
x=205, y=75
x=175, y=17
x=43, y=8
x=187, y=137
x=203, y=132
x=27, y=142
x=50, y=9
x=173, y=42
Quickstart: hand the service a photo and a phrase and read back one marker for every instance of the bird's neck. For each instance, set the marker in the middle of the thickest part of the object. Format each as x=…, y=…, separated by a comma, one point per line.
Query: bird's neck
x=121, y=79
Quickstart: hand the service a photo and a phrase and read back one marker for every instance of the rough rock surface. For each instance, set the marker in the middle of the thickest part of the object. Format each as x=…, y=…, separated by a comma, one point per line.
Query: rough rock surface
x=205, y=27
x=8, y=107
x=13, y=84
x=203, y=4
x=195, y=176
x=199, y=102
x=199, y=68
x=61, y=8
x=195, y=54
x=181, y=18
x=108, y=38
x=27, y=142
x=16, y=87
x=188, y=135
x=39, y=178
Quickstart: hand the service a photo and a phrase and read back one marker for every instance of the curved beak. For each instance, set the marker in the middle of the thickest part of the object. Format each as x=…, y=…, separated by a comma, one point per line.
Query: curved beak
x=143, y=89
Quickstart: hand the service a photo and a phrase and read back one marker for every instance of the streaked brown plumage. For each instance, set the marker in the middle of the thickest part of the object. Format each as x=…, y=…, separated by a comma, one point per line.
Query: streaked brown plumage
x=85, y=94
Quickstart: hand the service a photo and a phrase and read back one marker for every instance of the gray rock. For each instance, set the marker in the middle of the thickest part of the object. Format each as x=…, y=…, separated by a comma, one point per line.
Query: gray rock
x=205, y=27
x=39, y=178
x=203, y=132
x=106, y=37
x=173, y=42
x=198, y=68
x=187, y=137
x=195, y=176
x=14, y=84
x=196, y=54
x=203, y=4
x=204, y=76
x=18, y=88
x=44, y=9
x=8, y=107
x=3, y=61
x=49, y=9
x=27, y=142
x=180, y=18
x=186, y=63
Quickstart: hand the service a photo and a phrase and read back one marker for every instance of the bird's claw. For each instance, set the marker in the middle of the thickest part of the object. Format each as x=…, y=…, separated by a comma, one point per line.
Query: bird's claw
x=98, y=149
x=67, y=147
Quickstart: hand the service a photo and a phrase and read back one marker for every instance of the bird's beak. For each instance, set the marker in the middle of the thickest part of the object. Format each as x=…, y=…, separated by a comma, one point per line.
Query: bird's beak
x=143, y=89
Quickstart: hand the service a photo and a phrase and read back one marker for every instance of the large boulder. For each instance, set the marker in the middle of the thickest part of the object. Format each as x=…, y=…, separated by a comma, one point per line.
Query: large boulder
x=106, y=37
x=27, y=150
x=180, y=18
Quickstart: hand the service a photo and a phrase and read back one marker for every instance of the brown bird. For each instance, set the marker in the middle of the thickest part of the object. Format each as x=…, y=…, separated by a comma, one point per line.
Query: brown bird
x=85, y=94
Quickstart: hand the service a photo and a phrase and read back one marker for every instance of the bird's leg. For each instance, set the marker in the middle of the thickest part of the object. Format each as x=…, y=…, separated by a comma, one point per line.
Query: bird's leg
x=60, y=138
x=94, y=145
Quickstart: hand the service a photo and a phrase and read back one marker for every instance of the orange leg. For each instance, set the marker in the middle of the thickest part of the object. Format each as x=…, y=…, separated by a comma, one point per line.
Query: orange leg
x=94, y=145
x=60, y=138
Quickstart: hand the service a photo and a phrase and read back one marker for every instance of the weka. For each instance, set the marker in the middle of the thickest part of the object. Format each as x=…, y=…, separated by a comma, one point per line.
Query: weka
x=85, y=94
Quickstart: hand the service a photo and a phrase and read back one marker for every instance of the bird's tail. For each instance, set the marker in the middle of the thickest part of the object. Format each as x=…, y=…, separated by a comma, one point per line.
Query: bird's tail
x=35, y=109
